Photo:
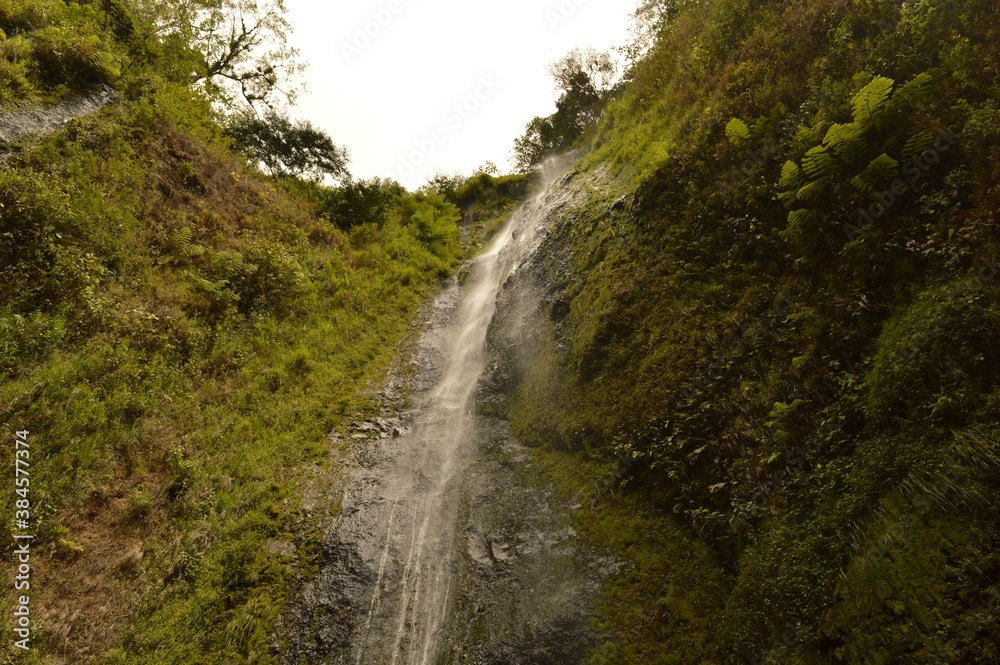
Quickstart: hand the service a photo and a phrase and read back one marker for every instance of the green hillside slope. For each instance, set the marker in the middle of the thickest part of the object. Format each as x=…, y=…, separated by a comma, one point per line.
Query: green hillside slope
x=767, y=354
x=178, y=335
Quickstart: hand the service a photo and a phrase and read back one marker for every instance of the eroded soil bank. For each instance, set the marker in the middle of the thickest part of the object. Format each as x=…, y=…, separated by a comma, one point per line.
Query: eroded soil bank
x=22, y=122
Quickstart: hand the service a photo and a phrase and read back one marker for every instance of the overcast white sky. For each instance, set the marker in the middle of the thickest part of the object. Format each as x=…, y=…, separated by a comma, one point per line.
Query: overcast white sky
x=443, y=85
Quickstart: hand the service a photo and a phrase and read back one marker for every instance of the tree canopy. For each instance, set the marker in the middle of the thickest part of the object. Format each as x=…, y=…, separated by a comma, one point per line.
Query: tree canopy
x=286, y=148
x=243, y=54
x=649, y=20
x=586, y=79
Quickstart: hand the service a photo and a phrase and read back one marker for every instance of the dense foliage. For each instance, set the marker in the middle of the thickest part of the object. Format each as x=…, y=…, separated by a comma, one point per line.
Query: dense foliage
x=768, y=369
x=285, y=147
x=776, y=336
x=179, y=333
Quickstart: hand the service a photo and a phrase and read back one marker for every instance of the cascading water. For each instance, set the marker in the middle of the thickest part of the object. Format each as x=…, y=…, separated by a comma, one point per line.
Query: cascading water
x=386, y=592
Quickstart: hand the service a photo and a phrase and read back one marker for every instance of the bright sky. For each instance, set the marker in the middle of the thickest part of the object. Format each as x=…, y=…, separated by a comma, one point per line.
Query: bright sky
x=418, y=87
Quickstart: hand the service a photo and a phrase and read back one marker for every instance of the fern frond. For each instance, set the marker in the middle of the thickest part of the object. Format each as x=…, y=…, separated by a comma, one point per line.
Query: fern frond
x=760, y=127
x=798, y=222
x=788, y=197
x=810, y=191
x=192, y=251
x=219, y=289
x=880, y=171
x=911, y=92
x=818, y=162
x=230, y=262
x=917, y=144
x=182, y=237
x=791, y=176
x=106, y=62
x=870, y=102
x=737, y=132
x=845, y=140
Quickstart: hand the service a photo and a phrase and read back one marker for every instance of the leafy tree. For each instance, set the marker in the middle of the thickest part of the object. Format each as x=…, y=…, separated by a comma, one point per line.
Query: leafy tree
x=242, y=44
x=435, y=220
x=488, y=168
x=587, y=79
x=539, y=140
x=359, y=202
x=444, y=184
x=287, y=148
x=597, y=68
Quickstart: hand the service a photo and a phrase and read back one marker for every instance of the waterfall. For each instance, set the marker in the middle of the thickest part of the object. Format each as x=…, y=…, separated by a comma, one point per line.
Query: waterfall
x=396, y=542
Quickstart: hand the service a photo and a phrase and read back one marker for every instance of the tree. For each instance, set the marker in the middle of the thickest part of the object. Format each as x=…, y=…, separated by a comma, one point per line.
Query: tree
x=488, y=168
x=598, y=68
x=444, y=184
x=287, y=148
x=243, y=44
x=539, y=140
x=586, y=78
x=358, y=202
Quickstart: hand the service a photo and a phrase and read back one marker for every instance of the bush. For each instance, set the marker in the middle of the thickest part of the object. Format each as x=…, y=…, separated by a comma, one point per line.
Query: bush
x=42, y=244
x=54, y=44
x=435, y=221
x=359, y=202
x=270, y=278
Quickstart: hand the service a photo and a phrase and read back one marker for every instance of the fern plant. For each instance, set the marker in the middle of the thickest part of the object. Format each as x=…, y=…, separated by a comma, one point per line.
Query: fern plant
x=740, y=134
x=737, y=132
x=824, y=173
x=880, y=170
x=870, y=102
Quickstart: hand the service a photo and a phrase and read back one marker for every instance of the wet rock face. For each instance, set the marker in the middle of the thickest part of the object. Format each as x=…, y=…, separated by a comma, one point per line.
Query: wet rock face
x=447, y=549
x=322, y=622
x=530, y=298
x=562, y=642
x=515, y=325
x=320, y=625
x=526, y=581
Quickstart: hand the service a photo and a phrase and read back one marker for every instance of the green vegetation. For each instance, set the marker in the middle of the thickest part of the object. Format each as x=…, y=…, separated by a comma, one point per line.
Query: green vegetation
x=775, y=341
x=179, y=333
x=586, y=79
x=51, y=47
x=287, y=148
x=486, y=201
x=768, y=371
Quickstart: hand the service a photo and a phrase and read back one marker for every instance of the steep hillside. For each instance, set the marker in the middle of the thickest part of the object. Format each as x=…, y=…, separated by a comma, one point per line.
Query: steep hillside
x=765, y=350
x=178, y=335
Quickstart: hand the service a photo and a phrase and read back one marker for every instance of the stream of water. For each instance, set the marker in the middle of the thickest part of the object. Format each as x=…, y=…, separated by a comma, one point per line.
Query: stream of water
x=415, y=574
x=401, y=551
